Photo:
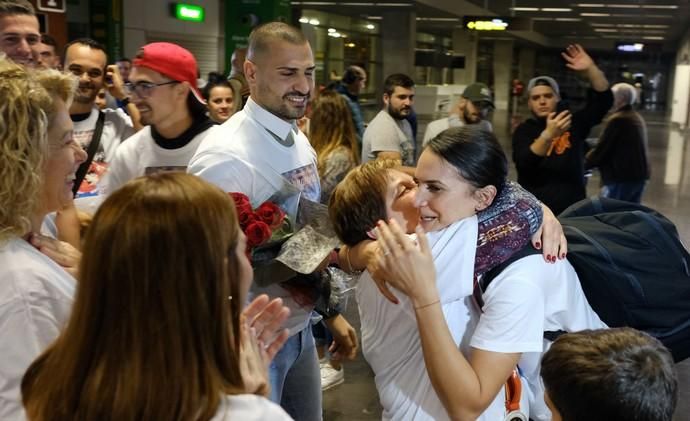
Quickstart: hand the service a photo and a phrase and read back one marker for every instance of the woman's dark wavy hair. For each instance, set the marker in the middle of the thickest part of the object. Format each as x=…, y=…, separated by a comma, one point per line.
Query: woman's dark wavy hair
x=474, y=153
x=214, y=79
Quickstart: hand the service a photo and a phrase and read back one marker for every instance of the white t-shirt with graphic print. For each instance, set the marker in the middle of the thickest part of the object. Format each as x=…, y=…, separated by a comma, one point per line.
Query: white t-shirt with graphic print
x=243, y=155
x=140, y=155
x=117, y=126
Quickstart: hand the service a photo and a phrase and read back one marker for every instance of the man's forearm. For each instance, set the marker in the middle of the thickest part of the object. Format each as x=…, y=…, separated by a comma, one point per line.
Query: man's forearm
x=598, y=79
x=541, y=145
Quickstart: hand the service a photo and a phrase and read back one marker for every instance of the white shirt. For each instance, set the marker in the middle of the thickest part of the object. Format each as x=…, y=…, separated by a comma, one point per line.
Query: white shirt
x=386, y=134
x=390, y=334
x=526, y=299
x=242, y=155
x=140, y=155
x=36, y=296
x=117, y=126
x=249, y=408
x=434, y=128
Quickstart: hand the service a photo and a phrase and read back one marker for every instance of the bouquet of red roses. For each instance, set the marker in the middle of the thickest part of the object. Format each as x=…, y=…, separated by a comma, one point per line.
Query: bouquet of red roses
x=264, y=225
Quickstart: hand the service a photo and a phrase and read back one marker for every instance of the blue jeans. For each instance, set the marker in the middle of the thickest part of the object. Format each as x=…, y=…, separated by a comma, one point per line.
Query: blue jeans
x=296, y=378
x=628, y=191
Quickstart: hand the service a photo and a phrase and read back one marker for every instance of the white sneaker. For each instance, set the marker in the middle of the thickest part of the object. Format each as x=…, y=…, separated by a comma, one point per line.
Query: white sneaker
x=330, y=377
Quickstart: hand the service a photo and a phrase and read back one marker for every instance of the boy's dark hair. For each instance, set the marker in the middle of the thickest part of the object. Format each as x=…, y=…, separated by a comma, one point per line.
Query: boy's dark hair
x=47, y=39
x=397, y=79
x=352, y=74
x=610, y=375
x=91, y=43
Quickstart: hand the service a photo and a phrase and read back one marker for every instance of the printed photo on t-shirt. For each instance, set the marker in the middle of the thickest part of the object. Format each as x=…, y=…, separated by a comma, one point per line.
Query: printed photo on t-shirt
x=306, y=179
x=164, y=168
x=98, y=167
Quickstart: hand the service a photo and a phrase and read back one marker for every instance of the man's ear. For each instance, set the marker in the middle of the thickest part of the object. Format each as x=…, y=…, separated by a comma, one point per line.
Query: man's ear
x=386, y=99
x=484, y=197
x=460, y=107
x=250, y=71
x=183, y=89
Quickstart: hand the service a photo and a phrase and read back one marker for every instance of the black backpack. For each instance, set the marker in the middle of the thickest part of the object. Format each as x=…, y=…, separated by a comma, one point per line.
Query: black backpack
x=632, y=266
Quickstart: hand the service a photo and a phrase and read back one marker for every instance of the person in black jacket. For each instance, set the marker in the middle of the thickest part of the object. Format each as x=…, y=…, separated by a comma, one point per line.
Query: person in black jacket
x=549, y=148
x=621, y=153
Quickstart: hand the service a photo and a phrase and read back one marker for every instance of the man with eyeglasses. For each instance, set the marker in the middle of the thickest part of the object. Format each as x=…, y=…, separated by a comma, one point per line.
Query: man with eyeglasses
x=87, y=59
x=473, y=108
x=163, y=86
x=19, y=31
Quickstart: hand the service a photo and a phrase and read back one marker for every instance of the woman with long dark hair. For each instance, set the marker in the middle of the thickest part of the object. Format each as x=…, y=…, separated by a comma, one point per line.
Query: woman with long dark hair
x=460, y=172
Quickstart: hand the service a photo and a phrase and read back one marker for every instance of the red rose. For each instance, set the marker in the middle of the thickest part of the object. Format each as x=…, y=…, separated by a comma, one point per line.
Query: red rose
x=257, y=233
x=271, y=214
x=239, y=198
x=245, y=215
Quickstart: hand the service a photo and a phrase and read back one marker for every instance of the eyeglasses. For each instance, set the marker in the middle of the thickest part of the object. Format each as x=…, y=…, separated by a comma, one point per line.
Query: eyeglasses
x=144, y=89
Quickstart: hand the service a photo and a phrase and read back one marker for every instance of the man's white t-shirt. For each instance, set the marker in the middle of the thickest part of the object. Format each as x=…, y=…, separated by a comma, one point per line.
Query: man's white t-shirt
x=526, y=299
x=141, y=155
x=243, y=155
x=117, y=126
x=36, y=298
x=434, y=128
x=249, y=408
x=387, y=134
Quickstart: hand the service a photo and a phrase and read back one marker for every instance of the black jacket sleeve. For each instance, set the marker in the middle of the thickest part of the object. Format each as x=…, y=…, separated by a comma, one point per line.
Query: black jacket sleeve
x=598, y=104
x=607, y=142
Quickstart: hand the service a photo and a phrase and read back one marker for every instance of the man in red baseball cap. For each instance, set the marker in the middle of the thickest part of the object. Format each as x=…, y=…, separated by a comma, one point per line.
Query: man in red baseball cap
x=162, y=85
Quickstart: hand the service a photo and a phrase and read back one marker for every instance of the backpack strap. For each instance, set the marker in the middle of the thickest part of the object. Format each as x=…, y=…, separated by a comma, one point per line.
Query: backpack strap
x=489, y=276
x=480, y=285
x=91, y=152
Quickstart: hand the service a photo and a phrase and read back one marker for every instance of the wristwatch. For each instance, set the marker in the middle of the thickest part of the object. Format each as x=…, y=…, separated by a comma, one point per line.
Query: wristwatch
x=125, y=102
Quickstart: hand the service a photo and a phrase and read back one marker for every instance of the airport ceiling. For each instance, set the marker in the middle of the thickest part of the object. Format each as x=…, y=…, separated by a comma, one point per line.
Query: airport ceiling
x=592, y=22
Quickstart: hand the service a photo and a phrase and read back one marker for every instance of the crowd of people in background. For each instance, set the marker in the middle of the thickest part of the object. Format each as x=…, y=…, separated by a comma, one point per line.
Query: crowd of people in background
x=126, y=291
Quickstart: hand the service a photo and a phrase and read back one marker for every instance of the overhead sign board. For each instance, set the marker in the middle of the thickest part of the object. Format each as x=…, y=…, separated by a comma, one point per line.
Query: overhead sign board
x=496, y=23
x=51, y=6
x=485, y=23
x=189, y=12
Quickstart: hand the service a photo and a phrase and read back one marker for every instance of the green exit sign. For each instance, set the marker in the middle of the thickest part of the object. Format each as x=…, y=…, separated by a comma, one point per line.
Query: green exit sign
x=189, y=12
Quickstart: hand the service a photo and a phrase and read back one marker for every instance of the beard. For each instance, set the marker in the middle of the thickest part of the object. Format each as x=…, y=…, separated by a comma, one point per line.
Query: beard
x=282, y=108
x=86, y=94
x=470, y=118
x=399, y=113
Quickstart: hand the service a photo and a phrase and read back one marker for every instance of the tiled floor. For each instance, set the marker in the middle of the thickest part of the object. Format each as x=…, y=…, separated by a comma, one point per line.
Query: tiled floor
x=668, y=191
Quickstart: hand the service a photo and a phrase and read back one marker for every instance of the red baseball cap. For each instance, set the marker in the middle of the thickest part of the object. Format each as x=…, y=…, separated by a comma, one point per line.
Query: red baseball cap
x=172, y=61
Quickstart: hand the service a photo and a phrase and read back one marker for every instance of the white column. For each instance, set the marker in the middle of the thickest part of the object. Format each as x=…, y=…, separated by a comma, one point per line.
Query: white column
x=465, y=44
x=503, y=62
